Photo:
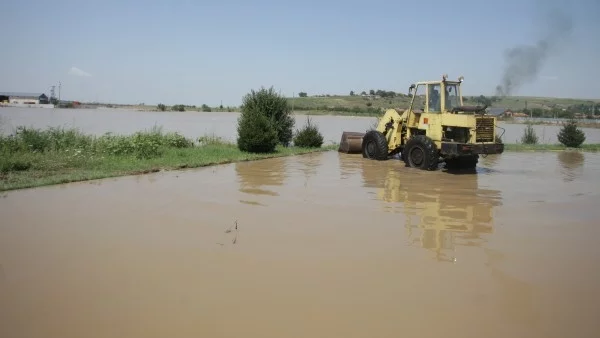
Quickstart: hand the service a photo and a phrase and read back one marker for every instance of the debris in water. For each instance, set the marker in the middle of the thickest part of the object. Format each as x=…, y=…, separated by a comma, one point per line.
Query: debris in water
x=229, y=229
x=236, y=233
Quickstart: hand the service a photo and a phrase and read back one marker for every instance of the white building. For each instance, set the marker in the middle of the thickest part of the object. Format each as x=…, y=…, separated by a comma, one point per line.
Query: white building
x=23, y=98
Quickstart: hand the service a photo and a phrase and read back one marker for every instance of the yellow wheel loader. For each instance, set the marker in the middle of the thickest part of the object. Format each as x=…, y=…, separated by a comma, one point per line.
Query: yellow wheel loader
x=436, y=128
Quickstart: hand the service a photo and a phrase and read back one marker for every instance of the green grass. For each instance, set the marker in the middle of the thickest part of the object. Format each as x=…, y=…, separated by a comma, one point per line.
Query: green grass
x=357, y=105
x=33, y=158
x=548, y=147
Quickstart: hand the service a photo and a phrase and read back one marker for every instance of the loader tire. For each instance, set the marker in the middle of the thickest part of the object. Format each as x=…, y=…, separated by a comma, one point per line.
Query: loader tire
x=374, y=146
x=420, y=152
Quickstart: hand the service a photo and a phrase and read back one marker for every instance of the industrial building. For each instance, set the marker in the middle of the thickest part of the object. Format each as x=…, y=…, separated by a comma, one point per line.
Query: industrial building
x=23, y=98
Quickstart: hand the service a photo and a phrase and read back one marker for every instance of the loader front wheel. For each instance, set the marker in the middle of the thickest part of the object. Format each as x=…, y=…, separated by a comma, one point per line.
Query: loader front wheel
x=374, y=146
x=421, y=152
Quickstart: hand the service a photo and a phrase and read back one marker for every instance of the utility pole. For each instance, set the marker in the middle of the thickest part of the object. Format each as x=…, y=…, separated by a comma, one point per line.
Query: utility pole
x=59, y=85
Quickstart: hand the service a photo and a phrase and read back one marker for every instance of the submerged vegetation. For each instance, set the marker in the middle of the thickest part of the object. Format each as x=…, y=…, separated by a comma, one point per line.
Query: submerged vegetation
x=34, y=157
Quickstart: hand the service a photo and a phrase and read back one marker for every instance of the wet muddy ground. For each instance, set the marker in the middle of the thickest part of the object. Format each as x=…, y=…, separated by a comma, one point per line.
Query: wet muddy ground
x=326, y=245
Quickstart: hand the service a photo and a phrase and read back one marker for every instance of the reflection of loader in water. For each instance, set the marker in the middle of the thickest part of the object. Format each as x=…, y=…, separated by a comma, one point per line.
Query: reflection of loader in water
x=441, y=212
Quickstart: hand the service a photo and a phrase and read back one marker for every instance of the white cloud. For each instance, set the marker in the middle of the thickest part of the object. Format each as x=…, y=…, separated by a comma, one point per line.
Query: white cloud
x=78, y=72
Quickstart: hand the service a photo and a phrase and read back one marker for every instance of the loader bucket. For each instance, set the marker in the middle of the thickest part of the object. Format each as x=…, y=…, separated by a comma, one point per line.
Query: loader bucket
x=351, y=142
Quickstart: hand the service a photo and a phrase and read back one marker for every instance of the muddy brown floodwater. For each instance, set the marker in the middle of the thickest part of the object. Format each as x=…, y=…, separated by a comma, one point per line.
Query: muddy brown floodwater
x=326, y=245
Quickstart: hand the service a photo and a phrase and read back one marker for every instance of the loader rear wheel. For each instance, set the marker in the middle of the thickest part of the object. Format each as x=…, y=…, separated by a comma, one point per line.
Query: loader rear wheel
x=420, y=152
x=374, y=146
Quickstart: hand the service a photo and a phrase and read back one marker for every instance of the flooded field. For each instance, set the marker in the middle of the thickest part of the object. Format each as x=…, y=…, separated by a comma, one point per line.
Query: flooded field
x=195, y=124
x=326, y=245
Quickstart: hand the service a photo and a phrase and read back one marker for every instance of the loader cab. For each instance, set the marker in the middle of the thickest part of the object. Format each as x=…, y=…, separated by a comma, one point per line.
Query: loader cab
x=435, y=96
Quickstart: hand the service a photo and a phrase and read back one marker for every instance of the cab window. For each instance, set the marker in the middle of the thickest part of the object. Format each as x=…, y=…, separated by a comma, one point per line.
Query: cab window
x=420, y=97
x=434, y=102
x=452, y=98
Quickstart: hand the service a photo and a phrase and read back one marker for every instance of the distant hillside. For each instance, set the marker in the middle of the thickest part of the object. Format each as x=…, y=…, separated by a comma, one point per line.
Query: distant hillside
x=371, y=104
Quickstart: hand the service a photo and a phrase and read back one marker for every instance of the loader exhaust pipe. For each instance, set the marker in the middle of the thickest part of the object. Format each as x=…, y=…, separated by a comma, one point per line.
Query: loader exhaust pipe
x=351, y=142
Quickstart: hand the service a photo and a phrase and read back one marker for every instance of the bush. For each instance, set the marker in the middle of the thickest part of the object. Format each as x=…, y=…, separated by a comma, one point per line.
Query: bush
x=161, y=107
x=206, y=108
x=309, y=136
x=211, y=140
x=256, y=133
x=142, y=144
x=10, y=163
x=52, y=139
x=529, y=136
x=178, y=107
x=275, y=108
x=570, y=135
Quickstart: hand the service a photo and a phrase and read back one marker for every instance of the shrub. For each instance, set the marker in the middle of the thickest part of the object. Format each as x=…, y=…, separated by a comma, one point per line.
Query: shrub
x=570, y=135
x=176, y=140
x=161, y=107
x=275, y=108
x=211, y=140
x=256, y=133
x=178, y=107
x=142, y=144
x=52, y=139
x=529, y=136
x=10, y=163
x=309, y=136
x=206, y=108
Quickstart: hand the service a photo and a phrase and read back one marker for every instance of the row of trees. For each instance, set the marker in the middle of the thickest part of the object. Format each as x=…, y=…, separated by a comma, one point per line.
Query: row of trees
x=379, y=92
x=181, y=107
x=372, y=92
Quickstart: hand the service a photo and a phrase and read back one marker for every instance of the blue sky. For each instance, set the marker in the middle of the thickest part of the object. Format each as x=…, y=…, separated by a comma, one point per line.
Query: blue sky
x=196, y=52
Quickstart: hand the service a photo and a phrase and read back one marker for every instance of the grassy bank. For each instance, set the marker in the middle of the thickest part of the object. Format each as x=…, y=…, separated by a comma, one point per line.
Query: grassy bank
x=341, y=104
x=548, y=147
x=32, y=158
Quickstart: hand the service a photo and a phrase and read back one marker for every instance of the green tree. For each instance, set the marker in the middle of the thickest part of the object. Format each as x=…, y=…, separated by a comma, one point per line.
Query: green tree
x=178, y=107
x=256, y=132
x=351, y=93
x=309, y=136
x=302, y=94
x=275, y=108
x=570, y=135
x=161, y=107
